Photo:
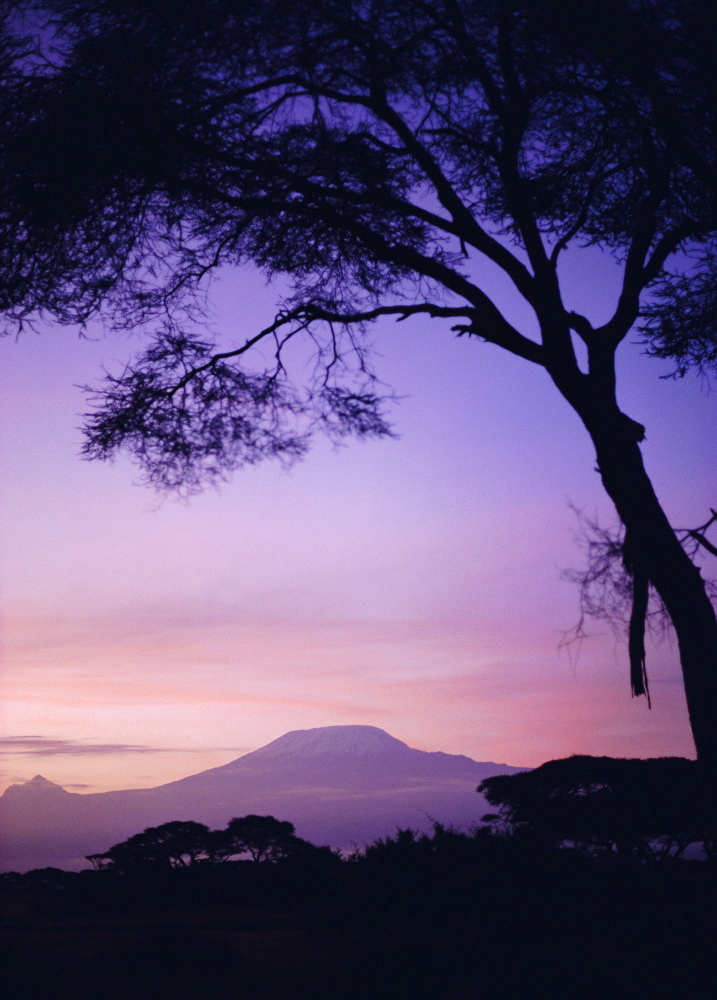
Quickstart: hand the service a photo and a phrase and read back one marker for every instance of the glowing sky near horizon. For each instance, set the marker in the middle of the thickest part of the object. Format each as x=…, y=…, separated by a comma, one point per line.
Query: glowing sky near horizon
x=412, y=584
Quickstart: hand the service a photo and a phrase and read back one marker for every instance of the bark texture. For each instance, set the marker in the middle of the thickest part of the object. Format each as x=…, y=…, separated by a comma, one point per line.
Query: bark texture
x=679, y=583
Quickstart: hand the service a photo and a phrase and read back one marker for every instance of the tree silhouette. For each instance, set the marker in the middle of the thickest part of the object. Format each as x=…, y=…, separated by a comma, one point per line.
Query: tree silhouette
x=606, y=583
x=263, y=838
x=176, y=844
x=647, y=809
x=380, y=155
x=181, y=844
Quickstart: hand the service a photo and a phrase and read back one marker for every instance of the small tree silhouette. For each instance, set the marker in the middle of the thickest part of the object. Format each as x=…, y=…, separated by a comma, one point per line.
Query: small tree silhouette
x=263, y=838
x=176, y=844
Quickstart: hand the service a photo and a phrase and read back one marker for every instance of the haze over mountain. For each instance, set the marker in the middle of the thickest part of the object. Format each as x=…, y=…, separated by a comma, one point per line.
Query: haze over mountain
x=340, y=785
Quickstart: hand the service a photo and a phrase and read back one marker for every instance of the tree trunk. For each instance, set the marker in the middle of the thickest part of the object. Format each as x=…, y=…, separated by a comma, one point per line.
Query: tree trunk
x=671, y=572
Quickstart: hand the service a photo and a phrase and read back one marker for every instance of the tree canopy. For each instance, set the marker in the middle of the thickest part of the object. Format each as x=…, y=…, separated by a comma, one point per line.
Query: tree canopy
x=176, y=844
x=263, y=838
x=181, y=844
x=646, y=809
x=384, y=158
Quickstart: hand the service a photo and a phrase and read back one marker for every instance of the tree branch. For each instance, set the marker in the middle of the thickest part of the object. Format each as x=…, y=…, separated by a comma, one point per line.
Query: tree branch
x=306, y=314
x=635, y=275
x=466, y=226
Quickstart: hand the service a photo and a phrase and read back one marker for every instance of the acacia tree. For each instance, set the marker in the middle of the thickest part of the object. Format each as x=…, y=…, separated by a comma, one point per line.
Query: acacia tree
x=379, y=155
x=177, y=844
x=648, y=809
x=181, y=844
x=263, y=838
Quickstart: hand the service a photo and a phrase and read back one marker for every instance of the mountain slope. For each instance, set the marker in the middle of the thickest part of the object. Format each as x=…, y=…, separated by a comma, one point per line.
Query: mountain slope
x=341, y=785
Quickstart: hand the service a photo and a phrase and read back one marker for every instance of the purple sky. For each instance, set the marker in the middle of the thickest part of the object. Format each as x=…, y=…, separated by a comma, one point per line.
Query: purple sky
x=411, y=584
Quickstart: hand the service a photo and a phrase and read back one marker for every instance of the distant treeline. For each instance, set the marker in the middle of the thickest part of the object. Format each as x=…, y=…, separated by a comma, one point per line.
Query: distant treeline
x=580, y=884
x=647, y=810
x=598, y=808
x=449, y=915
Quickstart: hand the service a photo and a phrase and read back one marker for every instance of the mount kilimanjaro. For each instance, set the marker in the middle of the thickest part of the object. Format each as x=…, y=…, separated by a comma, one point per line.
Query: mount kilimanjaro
x=340, y=785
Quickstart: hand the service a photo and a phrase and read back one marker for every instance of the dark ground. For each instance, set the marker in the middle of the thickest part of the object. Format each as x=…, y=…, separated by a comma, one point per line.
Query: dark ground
x=505, y=924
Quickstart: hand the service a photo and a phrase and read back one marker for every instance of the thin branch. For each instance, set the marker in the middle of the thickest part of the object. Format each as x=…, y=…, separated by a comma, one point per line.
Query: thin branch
x=306, y=314
x=581, y=218
x=471, y=232
x=666, y=245
x=634, y=273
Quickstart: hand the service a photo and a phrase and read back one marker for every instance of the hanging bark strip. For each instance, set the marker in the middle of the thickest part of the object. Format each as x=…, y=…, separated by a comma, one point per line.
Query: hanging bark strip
x=638, y=622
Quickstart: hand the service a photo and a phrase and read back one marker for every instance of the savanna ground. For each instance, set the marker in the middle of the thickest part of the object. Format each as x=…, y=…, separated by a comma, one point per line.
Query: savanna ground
x=474, y=920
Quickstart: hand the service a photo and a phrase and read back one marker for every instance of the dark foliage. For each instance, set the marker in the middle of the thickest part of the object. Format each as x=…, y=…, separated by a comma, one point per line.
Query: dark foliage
x=451, y=915
x=263, y=838
x=183, y=844
x=646, y=809
x=363, y=152
x=175, y=844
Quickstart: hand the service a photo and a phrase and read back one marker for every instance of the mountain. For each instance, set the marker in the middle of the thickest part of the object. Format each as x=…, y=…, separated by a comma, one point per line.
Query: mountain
x=36, y=789
x=355, y=741
x=340, y=785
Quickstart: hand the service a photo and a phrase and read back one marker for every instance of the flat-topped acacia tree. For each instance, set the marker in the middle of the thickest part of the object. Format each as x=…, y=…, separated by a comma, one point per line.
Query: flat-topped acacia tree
x=375, y=153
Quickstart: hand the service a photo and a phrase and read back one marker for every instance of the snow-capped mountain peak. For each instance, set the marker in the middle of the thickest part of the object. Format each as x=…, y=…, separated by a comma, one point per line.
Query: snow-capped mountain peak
x=334, y=741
